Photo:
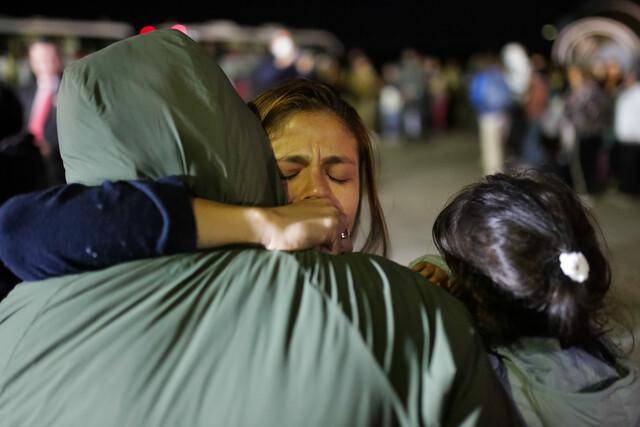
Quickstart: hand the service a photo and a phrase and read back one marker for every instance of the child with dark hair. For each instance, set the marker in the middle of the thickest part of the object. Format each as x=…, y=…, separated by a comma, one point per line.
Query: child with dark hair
x=524, y=258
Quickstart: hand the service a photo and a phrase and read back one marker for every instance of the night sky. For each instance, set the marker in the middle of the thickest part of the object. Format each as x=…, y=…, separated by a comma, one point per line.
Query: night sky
x=383, y=28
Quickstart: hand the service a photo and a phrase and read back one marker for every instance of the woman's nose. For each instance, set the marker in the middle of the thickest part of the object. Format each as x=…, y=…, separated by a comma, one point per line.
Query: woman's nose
x=316, y=186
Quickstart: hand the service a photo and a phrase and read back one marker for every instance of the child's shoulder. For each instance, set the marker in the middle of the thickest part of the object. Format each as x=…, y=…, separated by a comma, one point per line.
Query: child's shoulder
x=569, y=384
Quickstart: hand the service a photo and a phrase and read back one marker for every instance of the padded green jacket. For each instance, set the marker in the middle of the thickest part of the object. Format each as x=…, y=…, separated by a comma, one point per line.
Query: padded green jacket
x=233, y=336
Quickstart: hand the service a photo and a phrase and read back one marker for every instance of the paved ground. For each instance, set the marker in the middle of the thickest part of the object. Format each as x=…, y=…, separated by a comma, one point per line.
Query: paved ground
x=417, y=179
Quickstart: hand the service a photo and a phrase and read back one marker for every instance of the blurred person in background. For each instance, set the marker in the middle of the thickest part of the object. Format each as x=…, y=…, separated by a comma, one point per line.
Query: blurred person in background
x=38, y=100
x=616, y=70
x=491, y=98
x=535, y=101
x=362, y=85
x=412, y=86
x=306, y=64
x=598, y=70
x=14, y=173
x=10, y=112
x=29, y=153
x=327, y=70
x=279, y=65
x=21, y=164
x=238, y=65
x=556, y=133
x=586, y=111
x=615, y=77
x=437, y=95
x=627, y=133
x=12, y=149
x=391, y=104
x=517, y=68
x=455, y=93
x=608, y=70
x=523, y=146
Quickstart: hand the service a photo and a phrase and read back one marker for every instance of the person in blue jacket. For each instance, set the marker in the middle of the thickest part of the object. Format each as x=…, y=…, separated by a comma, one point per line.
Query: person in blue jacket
x=491, y=98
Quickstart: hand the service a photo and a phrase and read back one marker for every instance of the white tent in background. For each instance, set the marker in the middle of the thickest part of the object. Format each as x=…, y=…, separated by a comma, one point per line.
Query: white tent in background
x=319, y=39
x=54, y=27
x=220, y=32
x=71, y=35
x=229, y=32
x=305, y=38
x=596, y=39
x=609, y=32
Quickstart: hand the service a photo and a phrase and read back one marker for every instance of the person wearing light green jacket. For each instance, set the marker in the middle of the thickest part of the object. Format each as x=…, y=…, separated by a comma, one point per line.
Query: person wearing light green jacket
x=230, y=336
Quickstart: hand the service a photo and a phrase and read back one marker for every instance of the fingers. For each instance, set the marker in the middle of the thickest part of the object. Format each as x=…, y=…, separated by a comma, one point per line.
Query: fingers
x=313, y=222
x=340, y=243
x=337, y=226
x=424, y=269
x=432, y=273
x=418, y=267
x=439, y=276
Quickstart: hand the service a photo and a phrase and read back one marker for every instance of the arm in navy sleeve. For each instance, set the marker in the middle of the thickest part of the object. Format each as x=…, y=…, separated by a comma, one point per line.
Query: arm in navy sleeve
x=75, y=228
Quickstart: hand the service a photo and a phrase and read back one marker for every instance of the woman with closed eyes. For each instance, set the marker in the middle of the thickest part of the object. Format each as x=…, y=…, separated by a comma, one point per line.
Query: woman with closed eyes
x=326, y=161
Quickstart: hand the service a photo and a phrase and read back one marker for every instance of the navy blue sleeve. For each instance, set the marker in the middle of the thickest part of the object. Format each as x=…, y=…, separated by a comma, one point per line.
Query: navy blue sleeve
x=74, y=228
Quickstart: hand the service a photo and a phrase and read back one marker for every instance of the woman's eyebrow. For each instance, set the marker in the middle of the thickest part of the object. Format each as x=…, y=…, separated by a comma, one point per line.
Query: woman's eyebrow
x=305, y=161
x=333, y=160
x=302, y=160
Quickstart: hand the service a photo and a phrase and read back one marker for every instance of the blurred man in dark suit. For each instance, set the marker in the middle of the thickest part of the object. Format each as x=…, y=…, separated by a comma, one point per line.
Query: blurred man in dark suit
x=39, y=107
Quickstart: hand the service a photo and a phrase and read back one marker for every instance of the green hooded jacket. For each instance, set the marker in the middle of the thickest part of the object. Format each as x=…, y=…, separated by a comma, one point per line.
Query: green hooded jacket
x=233, y=336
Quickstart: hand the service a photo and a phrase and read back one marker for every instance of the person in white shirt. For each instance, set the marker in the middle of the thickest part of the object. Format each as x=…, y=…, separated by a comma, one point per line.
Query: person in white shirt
x=627, y=132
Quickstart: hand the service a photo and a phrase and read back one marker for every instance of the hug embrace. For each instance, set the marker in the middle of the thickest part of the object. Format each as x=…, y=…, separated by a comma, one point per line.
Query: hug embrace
x=199, y=269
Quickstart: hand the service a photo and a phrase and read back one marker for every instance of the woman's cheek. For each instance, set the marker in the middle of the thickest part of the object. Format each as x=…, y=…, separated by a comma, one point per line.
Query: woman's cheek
x=294, y=190
x=287, y=191
x=348, y=195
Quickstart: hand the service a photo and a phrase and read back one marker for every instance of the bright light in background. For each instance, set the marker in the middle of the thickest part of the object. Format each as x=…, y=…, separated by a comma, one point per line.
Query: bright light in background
x=181, y=28
x=178, y=27
x=549, y=32
x=147, y=29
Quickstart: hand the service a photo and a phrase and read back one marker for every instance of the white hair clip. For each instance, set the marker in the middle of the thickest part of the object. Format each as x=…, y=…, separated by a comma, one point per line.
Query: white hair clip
x=575, y=266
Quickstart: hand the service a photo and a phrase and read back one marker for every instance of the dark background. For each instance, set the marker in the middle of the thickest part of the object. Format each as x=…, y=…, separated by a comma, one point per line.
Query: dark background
x=444, y=28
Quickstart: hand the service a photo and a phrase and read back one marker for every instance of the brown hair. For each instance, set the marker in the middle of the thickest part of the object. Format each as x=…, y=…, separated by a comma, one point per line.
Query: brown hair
x=276, y=106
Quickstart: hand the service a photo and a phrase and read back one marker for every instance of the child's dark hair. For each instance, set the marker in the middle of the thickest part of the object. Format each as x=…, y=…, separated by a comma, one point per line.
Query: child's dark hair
x=502, y=239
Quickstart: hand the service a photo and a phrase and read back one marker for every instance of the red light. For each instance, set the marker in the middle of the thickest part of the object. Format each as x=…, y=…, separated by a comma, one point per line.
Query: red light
x=181, y=28
x=147, y=29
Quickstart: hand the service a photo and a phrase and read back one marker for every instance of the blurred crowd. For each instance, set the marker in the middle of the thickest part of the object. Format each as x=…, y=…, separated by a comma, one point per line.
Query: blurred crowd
x=407, y=100
x=576, y=121
x=29, y=153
